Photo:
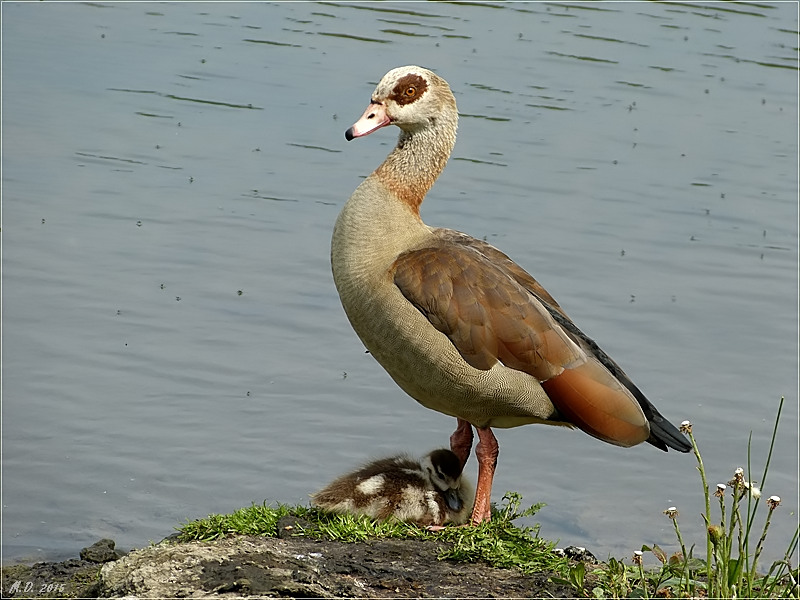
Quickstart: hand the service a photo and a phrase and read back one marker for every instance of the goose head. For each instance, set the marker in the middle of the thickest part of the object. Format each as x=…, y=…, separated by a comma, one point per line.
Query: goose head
x=410, y=97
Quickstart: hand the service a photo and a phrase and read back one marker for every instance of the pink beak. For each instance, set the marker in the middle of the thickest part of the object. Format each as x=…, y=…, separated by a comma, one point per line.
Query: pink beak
x=373, y=118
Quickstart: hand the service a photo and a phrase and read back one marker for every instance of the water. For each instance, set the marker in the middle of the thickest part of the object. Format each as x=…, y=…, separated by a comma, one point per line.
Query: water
x=173, y=342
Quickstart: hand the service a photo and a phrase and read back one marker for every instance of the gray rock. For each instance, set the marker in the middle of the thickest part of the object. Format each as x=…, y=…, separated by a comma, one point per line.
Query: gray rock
x=298, y=567
x=102, y=551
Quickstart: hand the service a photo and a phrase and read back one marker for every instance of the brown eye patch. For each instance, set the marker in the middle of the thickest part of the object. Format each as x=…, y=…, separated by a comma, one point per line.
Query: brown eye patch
x=408, y=89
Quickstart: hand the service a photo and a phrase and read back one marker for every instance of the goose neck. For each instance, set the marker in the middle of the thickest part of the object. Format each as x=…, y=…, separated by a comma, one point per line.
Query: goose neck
x=418, y=159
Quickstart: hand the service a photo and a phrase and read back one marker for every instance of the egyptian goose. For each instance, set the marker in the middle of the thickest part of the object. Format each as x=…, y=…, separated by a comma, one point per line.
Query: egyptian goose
x=457, y=324
x=429, y=492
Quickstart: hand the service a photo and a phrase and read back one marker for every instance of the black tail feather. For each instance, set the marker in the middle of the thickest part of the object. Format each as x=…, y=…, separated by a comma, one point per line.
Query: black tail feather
x=664, y=434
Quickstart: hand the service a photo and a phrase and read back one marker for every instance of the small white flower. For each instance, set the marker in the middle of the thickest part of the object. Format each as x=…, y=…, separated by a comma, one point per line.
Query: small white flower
x=721, y=487
x=671, y=512
x=755, y=492
x=773, y=502
x=738, y=478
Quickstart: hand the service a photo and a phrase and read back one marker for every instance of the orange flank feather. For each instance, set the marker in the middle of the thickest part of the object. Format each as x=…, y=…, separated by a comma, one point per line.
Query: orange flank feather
x=591, y=398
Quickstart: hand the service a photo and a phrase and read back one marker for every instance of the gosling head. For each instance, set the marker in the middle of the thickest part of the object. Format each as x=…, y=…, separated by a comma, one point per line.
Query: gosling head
x=443, y=469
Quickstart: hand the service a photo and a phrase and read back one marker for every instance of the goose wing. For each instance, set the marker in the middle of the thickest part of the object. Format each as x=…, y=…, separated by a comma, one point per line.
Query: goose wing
x=493, y=311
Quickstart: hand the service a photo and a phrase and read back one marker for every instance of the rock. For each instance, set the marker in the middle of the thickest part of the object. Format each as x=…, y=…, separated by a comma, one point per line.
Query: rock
x=240, y=565
x=71, y=578
x=303, y=567
x=102, y=551
x=293, y=566
x=577, y=553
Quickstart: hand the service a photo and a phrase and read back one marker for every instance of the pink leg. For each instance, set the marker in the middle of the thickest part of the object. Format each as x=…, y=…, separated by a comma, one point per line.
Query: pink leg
x=486, y=451
x=461, y=441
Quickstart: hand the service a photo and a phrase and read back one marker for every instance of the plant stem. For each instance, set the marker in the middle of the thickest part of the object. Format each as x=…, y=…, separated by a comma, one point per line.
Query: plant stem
x=643, y=580
x=752, y=568
x=707, y=516
x=685, y=572
x=759, y=545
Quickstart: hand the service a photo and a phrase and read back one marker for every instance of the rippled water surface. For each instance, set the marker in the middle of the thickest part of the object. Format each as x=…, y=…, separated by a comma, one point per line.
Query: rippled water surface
x=173, y=344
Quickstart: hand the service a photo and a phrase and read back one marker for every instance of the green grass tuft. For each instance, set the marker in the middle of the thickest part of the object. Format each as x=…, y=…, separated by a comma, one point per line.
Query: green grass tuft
x=502, y=544
x=258, y=519
x=498, y=542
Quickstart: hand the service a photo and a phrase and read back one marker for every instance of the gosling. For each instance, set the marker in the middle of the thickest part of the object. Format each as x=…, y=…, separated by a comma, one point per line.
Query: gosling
x=429, y=492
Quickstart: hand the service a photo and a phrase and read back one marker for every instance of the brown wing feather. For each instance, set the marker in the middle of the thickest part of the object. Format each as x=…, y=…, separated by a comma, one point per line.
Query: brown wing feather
x=486, y=314
x=502, y=261
x=492, y=310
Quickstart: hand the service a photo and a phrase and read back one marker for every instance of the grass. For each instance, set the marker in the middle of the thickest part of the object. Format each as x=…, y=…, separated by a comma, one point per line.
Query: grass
x=734, y=536
x=502, y=544
x=498, y=542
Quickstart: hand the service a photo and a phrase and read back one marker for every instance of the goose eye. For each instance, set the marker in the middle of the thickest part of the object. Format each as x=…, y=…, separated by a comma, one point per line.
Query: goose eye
x=410, y=92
